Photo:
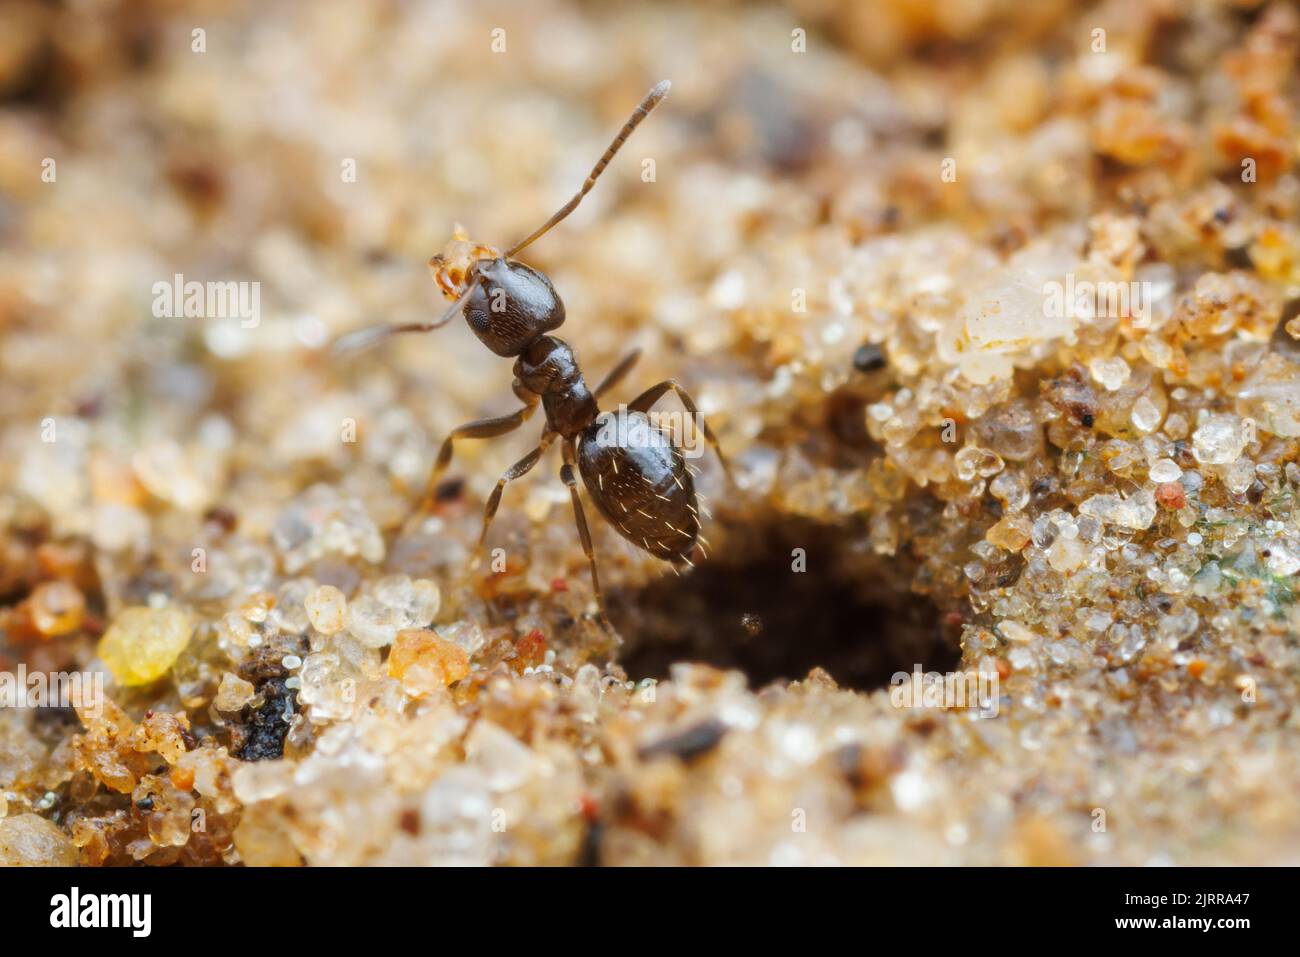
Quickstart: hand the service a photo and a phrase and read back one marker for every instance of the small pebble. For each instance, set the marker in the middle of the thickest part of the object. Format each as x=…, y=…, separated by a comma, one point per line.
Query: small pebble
x=233, y=693
x=1163, y=471
x=143, y=643
x=869, y=358
x=425, y=662
x=57, y=608
x=327, y=609
x=29, y=840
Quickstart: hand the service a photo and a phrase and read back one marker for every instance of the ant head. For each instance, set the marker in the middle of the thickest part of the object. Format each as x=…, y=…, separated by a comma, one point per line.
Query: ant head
x=511, y=305
x=508, y=305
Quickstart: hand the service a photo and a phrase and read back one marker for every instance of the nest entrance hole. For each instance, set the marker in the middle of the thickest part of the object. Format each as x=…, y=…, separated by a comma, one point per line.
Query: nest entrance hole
x=747, y=608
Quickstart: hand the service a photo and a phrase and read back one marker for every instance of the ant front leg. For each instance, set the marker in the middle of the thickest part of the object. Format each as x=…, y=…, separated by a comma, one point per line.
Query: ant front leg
x=584, y=533
x=650, y=396
x=478, y=429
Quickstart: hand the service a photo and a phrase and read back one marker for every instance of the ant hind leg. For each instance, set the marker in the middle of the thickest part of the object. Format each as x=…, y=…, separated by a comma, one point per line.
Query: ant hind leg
x=617, y=374
x=584, y=534
x=650, y=396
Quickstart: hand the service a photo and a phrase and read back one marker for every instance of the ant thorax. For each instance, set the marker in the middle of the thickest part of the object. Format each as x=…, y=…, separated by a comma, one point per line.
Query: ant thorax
x=451, y=267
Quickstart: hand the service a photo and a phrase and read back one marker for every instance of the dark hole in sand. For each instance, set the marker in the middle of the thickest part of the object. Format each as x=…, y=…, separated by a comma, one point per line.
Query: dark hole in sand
x=745, y=608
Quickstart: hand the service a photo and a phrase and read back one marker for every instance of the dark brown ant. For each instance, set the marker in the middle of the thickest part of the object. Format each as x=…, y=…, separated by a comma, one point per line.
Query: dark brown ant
x=635, y=473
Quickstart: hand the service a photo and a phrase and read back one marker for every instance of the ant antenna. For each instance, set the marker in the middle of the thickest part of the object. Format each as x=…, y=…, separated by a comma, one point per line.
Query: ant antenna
x=640, y=113
x=373, y=335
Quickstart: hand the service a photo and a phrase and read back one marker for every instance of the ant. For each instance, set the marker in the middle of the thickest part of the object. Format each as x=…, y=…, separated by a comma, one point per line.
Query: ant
x=637, y=477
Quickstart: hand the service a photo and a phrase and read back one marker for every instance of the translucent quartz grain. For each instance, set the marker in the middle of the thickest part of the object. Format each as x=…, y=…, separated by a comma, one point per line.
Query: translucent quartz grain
x=425, y=662
x=143, y=643
x=29, y=840
x=1218, y=440
x=327, y=609
x=233, y=693
x=1164, y=470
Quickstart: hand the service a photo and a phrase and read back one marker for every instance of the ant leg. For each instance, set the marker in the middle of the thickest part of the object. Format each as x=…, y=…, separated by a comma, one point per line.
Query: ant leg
x=616, y=374
x=478, y=429
x=518, y=470
x=650, y=396
x=584, y=533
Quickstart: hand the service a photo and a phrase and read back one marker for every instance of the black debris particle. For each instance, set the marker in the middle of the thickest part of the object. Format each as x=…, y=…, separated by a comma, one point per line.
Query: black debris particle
x=263, y=729
x=869, y=358
x=691, y=743
x=449, y=490
x=263, y=725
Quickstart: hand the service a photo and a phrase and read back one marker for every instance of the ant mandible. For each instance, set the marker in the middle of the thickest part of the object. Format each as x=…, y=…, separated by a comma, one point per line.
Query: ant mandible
x=636, y=474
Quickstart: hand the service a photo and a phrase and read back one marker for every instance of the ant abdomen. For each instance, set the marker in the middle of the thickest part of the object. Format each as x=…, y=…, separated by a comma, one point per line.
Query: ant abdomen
x=639, y=481
x=511, y=305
